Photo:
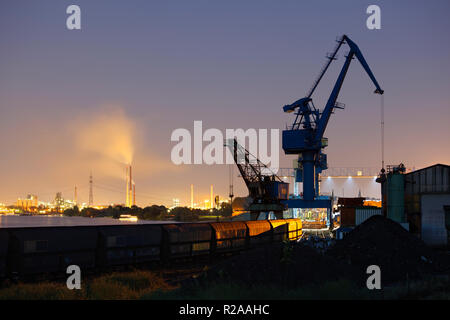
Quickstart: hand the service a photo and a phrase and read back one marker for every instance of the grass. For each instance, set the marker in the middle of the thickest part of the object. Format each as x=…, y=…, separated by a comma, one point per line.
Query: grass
x=339, y=289
x=148, y=285
x=342, y=289
x=114, y=286
x=39, y=291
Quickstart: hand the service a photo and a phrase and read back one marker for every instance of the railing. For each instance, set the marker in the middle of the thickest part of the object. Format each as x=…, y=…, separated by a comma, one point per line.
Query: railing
x=362, y=172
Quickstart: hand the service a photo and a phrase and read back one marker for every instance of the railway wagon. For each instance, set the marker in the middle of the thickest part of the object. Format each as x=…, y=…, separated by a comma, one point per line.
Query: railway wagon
x=229, y=236
x=50, y=249
x=28, y=251
x=4, y=241
x=279, y=230
x=294, y=229
x=186, y=240
x=128, y=244
x=259, y=232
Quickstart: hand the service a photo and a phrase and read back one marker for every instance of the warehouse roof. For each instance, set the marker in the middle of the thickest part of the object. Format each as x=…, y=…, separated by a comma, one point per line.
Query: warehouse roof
x=434, y=165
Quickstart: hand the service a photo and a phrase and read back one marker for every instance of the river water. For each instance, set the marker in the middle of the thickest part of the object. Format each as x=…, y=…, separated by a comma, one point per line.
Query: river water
x=16, y=221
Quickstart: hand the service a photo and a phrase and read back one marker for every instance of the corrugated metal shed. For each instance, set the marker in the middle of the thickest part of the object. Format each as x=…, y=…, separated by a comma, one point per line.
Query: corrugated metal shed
x=364, y=213
x=427, y=192
x=433, y=179
x=433, y=230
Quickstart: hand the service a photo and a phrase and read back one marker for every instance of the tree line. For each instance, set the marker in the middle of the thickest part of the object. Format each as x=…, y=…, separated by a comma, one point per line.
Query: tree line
x=154, y=212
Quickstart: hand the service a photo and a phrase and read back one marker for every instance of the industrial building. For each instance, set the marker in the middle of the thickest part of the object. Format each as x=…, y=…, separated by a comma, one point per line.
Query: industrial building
x=31, y=202
x=427, y=203
x=418, y=200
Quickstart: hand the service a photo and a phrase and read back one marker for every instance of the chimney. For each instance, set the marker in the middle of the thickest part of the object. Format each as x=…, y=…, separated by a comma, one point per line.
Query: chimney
x=127, y=201
x=134, y=194
x=130, y=199
x=192, y=196
x=212, y=198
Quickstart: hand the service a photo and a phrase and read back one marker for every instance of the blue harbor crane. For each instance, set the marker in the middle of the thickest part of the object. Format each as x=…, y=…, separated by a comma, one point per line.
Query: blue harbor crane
x=305, y=137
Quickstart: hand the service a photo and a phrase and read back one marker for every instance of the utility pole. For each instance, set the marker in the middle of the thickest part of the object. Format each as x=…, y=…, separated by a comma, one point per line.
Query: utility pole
x=76, y=196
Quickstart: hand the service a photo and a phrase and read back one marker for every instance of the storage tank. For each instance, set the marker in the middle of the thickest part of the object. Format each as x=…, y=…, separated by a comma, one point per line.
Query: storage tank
x=395, y=190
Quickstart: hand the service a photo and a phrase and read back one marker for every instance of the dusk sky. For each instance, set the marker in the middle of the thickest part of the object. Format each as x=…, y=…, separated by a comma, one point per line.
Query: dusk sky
x=75, y=101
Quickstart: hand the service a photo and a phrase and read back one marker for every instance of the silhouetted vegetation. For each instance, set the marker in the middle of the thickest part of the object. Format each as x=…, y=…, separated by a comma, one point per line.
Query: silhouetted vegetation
x=153, y=212
x=114, y=286
x=148, y=213
x=149, y=285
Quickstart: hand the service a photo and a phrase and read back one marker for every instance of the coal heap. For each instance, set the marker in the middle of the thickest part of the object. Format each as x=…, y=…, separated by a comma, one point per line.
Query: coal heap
x=383, y=242
x=281, y=264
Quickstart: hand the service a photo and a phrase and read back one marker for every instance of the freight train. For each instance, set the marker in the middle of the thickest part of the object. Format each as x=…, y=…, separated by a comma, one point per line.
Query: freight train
x=49, y=250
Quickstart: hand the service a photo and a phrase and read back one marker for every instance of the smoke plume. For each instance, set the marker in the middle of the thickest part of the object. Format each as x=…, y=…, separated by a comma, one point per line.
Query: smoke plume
x=108, y=134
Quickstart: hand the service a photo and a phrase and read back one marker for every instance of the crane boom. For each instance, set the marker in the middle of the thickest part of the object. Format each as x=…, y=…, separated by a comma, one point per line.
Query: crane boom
x=325, y=117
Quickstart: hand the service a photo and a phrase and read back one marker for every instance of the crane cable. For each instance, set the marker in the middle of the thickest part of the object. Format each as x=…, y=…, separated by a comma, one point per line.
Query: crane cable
x=382, y=130
x=230, y=178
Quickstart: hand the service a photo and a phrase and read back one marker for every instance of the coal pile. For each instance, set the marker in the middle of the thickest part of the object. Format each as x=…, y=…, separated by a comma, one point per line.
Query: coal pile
x=383, y=242
x=321, y=245
x=280, y=264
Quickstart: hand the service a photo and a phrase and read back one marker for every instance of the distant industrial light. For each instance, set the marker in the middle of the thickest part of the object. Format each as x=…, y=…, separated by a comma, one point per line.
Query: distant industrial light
x=359, y=173
x=349, y=177
x=329, y=178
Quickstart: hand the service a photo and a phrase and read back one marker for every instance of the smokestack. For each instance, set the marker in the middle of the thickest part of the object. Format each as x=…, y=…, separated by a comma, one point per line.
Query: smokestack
x=130, y=199
x=212, y=198
x=127, y=193
x=76, y=196
x=192, y=196
x=130, y=188
x=134, y=194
